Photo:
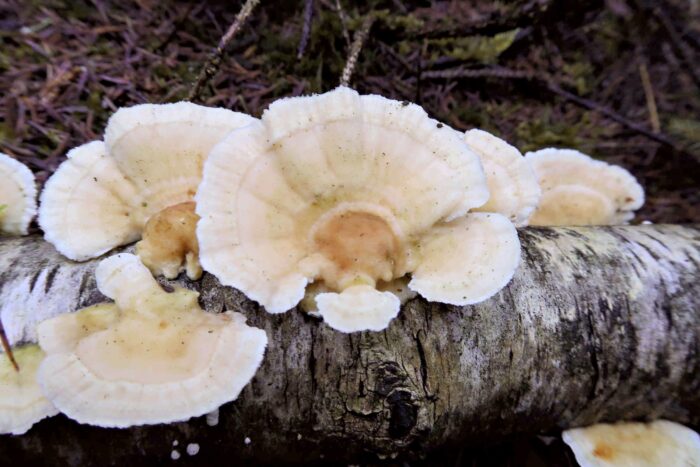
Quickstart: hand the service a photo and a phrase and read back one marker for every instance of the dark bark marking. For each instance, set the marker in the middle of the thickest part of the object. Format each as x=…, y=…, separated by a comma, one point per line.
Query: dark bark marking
x=657, y=241
x=50, y=278
x=83, y=284
x=35, y=277
x=651, y=252
x=389, y=376
x=593, y=351
x=312, y=362
x=423, y=363
x=403, y=413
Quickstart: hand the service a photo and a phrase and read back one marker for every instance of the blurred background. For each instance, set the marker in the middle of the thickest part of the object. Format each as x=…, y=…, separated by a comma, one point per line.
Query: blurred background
x=617, y=79
x=605, y=77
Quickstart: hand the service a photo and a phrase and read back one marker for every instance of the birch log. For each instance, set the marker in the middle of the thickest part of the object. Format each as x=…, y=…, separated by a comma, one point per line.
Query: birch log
x=597, y=324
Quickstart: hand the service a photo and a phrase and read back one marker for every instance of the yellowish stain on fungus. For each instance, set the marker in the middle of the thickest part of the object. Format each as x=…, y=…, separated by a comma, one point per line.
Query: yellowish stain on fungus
x=631, y=444
x=358, y=242
x=163, y=338
x=604, y=451
x=169, y=240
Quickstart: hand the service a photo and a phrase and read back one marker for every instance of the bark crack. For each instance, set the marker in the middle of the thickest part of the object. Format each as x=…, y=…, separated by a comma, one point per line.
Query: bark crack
x=423, y=364
x=50, y=278
x=593, y=356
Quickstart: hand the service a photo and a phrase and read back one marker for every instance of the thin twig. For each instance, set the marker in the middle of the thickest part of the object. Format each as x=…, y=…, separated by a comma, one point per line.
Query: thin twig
x=212, y=66
x=396, y=56
x=306, y=30
x=677, y=40
x=355, y=48
x=505, y=73
x=176, y=26
x=343, y=21
x=496, y=72
x=6, y=347
x=400, y=6
x=649, y=96
x=591, y=105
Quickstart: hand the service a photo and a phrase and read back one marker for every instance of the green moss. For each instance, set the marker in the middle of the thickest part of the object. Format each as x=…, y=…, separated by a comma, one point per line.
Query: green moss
x=390, y=20
x=580, y=74
x=321, y=65
x=482, y=49
x=6, y=131
x=547, y=131
x=687, y=131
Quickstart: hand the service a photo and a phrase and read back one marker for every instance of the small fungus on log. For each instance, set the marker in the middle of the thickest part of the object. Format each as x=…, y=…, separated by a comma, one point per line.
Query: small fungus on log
x=22, y=403
x=578, y=190
x=17, y=196
x=659, y=443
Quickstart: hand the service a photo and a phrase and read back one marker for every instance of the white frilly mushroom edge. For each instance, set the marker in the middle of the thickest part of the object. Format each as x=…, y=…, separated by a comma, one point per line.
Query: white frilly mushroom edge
x=139, y=183
x=17, y=196
x=353, y=193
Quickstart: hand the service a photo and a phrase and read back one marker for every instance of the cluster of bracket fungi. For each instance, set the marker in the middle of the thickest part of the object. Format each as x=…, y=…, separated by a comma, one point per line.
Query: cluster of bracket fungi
x=344, y=204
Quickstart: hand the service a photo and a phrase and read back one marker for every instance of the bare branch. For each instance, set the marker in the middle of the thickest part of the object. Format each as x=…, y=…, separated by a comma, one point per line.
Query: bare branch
x=549, y=349
x=306, y=31
x=343, y=21
x=355, y=49
x=550, y=85
x=212, y=66
x=678, y=42
x=649, y=96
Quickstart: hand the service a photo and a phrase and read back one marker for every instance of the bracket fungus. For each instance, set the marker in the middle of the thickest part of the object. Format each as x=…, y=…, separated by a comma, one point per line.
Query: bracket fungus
x=150, y=357
x=350, y=192
x=579, y=190
x=634, y=444
x=17, y=196
x=139, y=182
x=21, y=402
x=512, y=183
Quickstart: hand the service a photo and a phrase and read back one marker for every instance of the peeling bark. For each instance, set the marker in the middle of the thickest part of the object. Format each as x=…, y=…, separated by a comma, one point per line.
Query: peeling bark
x=597, y=324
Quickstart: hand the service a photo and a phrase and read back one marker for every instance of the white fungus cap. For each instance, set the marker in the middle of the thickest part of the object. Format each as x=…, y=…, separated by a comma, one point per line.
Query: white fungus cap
x=512, y=182
x=17, y=196
x=358, y=308
x=467, y=260
x=578, y=190
x=338, y=188
x=152, y=357
x=152, y=158
x=21, y=402
x=659, y=443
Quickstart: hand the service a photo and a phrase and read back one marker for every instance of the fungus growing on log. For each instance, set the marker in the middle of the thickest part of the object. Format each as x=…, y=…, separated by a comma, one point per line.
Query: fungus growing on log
x=17, y=196
x=21, y=402
x=578, y=190
x=140, y=181
x=150, y=357
x=512, y=183
x=351, y=192
x=634, y=444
